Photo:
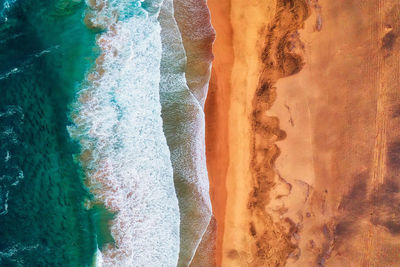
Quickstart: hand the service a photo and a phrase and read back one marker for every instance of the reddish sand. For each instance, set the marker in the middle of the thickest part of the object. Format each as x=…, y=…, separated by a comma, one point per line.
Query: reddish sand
x=216, y=110
x=228, y=129
x=342, y=150
x=304, y=169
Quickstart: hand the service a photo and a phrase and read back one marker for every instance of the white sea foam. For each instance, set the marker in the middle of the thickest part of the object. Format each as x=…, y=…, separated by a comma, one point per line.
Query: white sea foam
x=194, y=21
x=27, y=62
x=16, y=248
x=11, y=255
x=184, y=127
x=10, y=72
x=117, y=120
x=4, y=202
x=99, y=258
x=11, y=110
x=7, y=157
x=10, y=123
x=7, y=4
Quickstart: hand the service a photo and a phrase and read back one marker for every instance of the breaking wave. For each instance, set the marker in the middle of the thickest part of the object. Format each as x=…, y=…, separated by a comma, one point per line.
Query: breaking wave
x=117, y=120
x=184, y=128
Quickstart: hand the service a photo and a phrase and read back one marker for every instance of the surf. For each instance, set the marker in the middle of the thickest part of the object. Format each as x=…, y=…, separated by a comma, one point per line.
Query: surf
x=124, y=153
x=184, y=128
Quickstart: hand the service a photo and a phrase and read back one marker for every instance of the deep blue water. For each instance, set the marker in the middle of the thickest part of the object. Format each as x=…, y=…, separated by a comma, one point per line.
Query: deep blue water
x=45, y=51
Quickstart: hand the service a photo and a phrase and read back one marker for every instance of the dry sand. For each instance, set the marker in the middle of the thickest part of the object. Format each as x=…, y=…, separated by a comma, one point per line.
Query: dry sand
x=341, y=116
x=233, y=84
x=309, y=162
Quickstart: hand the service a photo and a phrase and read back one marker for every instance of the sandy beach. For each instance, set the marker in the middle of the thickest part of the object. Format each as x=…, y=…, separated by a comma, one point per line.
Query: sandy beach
x=302, y=150
x=234, y=80
x=341, y=150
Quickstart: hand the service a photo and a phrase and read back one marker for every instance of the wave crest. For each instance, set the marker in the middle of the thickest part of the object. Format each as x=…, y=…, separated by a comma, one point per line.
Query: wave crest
x=124, y=151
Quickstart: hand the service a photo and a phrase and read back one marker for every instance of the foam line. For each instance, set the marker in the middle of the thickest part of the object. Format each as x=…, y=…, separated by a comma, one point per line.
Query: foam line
x=184, y=128
x=124, y=151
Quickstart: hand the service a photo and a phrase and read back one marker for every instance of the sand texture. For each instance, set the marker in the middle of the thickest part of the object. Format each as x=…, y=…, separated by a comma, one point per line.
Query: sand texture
x=302, y=146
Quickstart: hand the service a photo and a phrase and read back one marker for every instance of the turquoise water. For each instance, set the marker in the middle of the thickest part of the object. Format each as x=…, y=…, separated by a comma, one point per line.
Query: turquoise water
x=125, y=153
x=45, y=51
x=96, y=123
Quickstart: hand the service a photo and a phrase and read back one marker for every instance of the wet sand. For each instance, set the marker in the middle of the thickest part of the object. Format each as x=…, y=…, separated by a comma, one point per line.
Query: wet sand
x=305, y=141
x=193, y=20
x=198, y=35
x=217, y=111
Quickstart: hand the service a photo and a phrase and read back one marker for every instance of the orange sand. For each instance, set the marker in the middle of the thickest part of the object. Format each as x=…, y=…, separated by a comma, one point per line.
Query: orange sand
x=325, y=191
x=229, y=104
x=216, y=110
x=342, y=148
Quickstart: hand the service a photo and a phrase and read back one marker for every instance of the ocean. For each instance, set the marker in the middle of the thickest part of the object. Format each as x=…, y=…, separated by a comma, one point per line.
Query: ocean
x=43, y=219
x=102, y=157
x=124, y=151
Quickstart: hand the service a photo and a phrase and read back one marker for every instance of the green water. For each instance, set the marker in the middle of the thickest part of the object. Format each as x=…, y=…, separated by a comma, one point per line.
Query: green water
x=45, y=51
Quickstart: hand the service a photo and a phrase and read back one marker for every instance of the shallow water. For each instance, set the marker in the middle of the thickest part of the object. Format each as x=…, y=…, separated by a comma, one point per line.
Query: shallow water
x=183, y=123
